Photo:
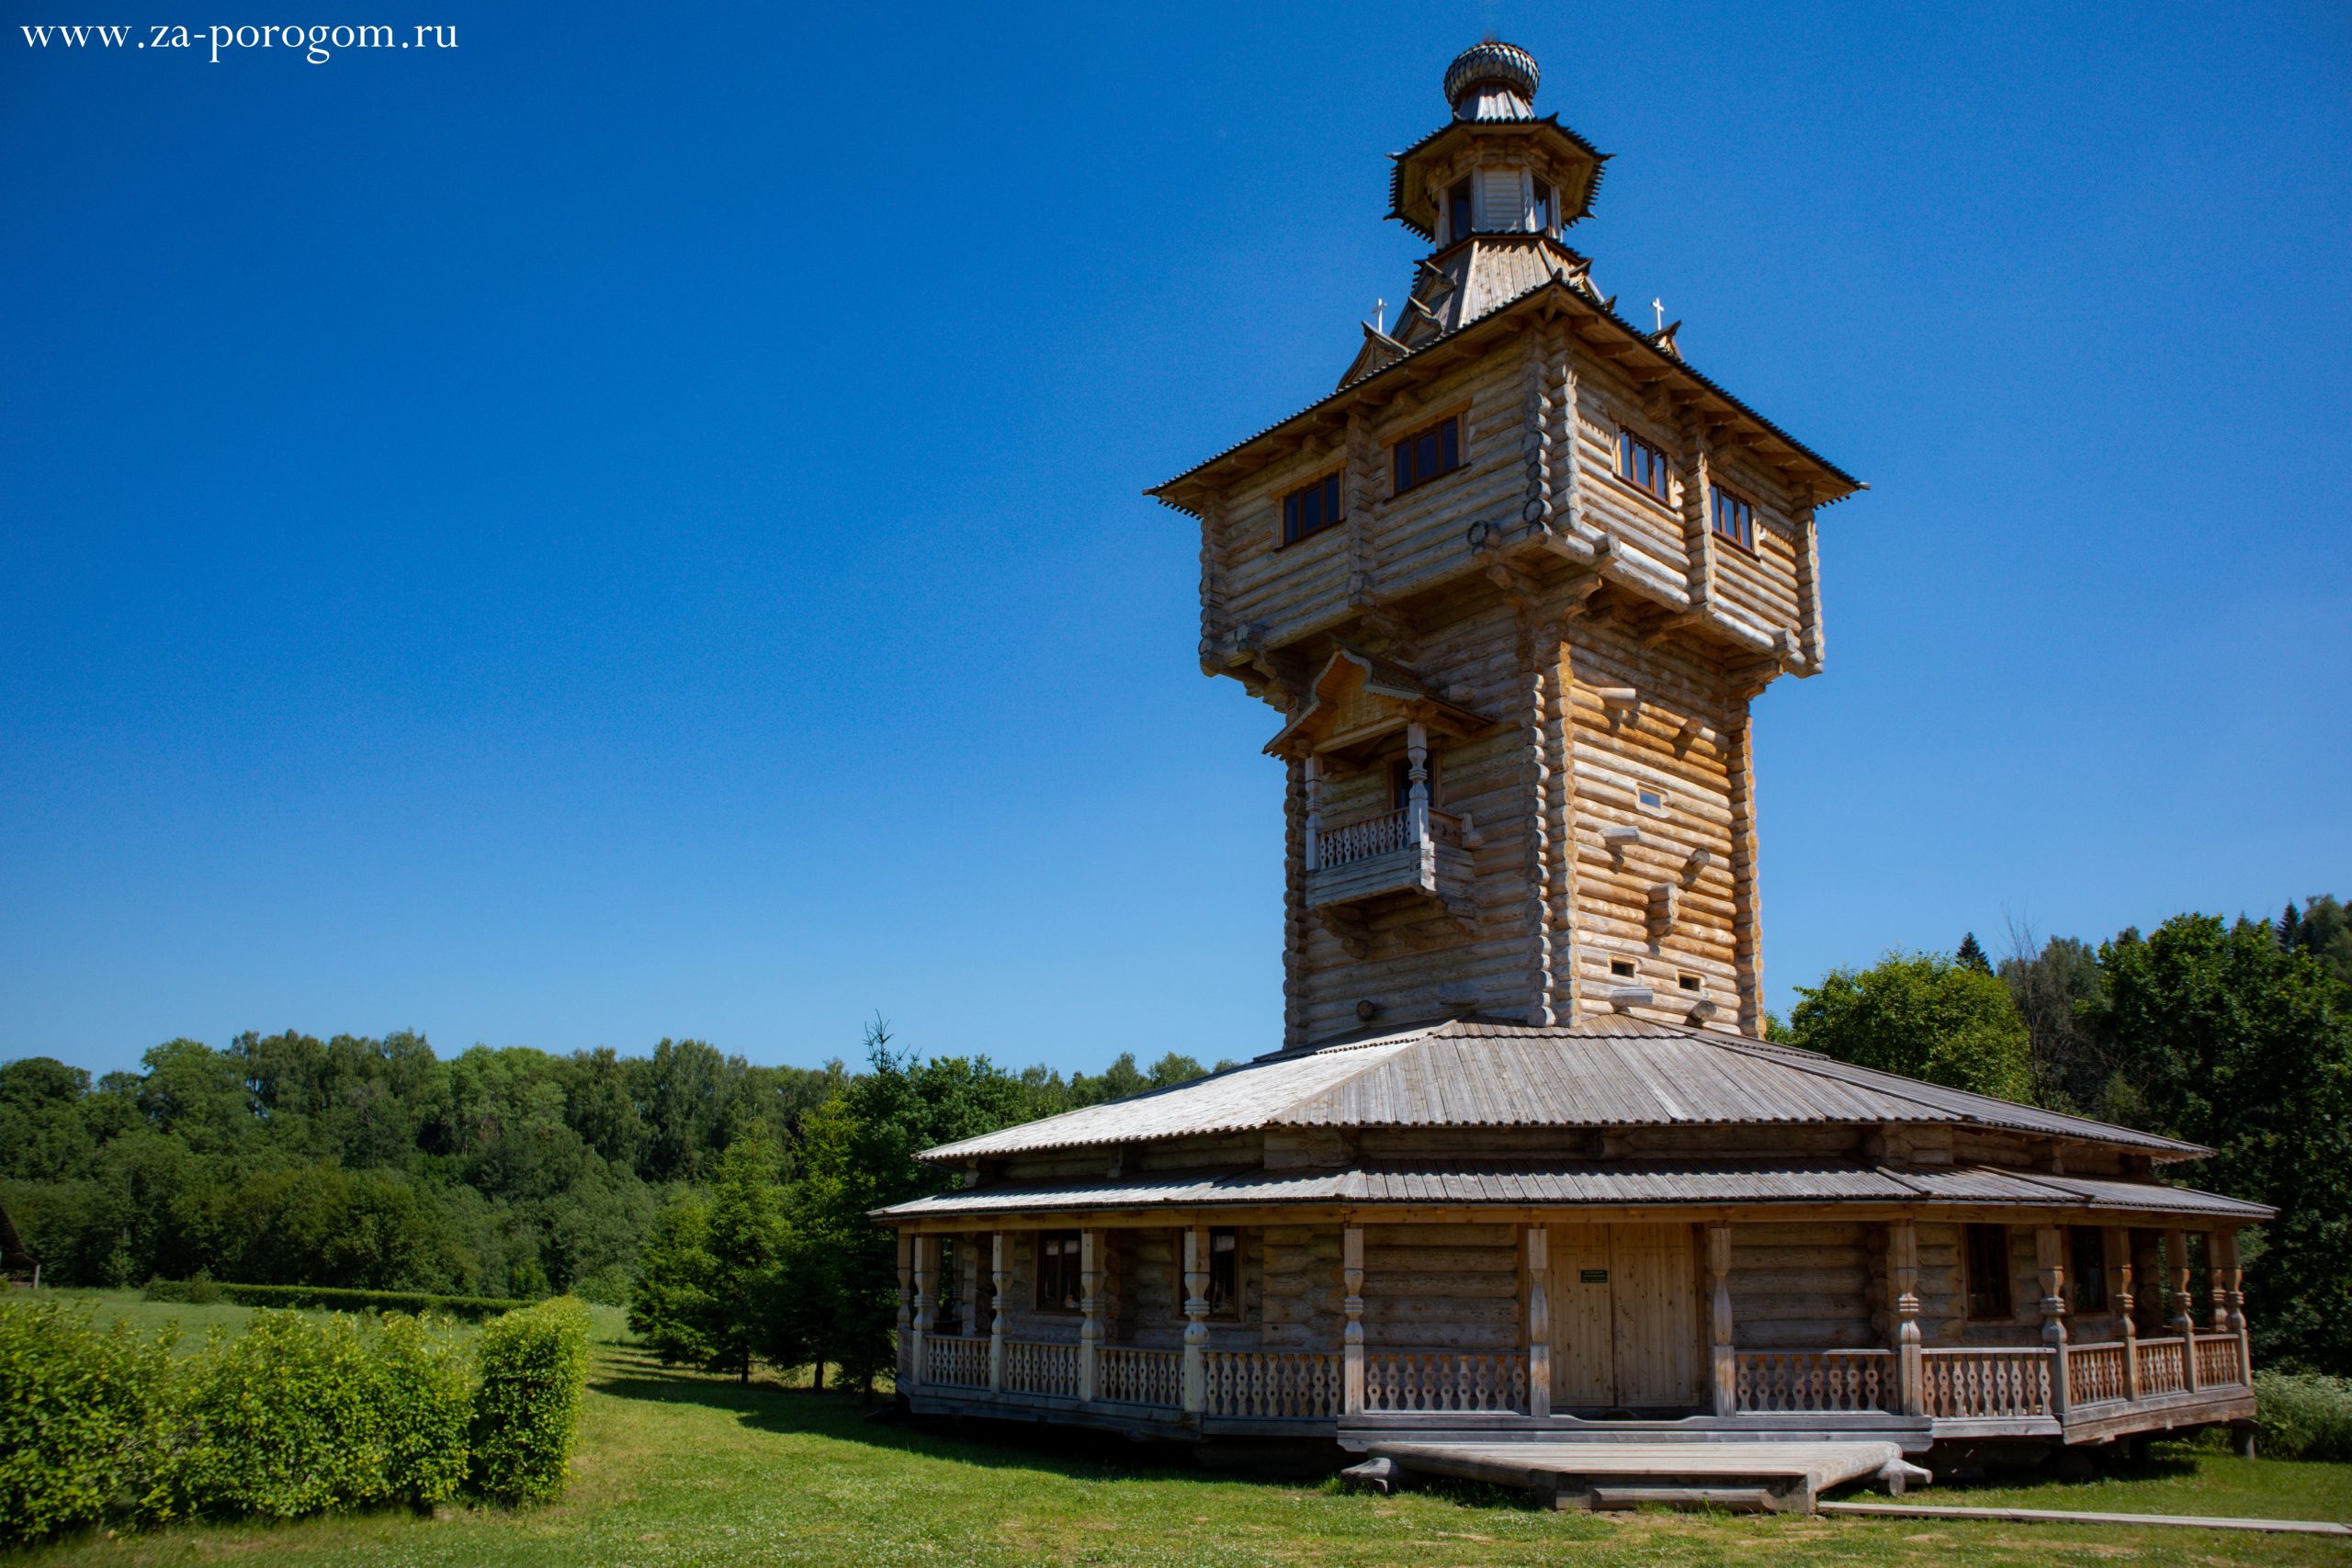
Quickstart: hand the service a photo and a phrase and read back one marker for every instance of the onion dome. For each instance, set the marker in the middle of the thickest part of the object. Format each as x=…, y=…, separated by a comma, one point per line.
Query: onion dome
x=1492, y=81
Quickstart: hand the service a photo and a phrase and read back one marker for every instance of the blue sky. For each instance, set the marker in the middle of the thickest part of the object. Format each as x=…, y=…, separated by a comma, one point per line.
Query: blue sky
x=630, y=526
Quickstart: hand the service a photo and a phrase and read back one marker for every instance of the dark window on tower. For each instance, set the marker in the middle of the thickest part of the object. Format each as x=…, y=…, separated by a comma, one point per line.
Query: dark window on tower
x=1989, y=1272
x=1640, y=464
x=2086, y=1266
x=1547, y=208
x=1735, y=519
x=1622, y=968
x=1058, y=1259
x=1458, y=210
x=1426, y=454
x=1311, y=510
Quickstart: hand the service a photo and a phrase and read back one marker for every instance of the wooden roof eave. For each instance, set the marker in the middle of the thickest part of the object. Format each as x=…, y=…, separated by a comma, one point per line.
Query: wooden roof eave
x=1185, y=492
x=1408, y=196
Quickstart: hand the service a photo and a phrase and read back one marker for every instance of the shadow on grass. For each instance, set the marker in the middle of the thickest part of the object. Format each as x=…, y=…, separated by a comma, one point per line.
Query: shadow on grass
x=1076, y=1453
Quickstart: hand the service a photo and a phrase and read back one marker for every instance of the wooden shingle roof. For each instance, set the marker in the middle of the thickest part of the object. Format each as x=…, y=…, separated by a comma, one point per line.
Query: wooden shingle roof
x=1607, y=1072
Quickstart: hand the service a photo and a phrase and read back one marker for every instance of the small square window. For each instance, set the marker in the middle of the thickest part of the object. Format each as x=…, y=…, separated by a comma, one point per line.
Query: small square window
x=1734, y=518
x=1622, y=968
x=1642, y=466
x=1691, y=982
x=1652, y=800
x=1427, y=454
x=1312, y=508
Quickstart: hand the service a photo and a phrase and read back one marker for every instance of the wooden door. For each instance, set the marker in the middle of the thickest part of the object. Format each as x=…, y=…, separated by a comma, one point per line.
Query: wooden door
x=1653, y=1280
x=1625, y=1317
x=1583, y=1363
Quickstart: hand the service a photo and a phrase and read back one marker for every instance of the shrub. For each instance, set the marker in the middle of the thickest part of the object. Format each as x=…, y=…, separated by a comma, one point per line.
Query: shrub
x=300, y=1417
x=608, y=1286
x=532, y=1368
x=77, y=1416
x=335, y=1299
x=2303, y=1415
x=198, y=1290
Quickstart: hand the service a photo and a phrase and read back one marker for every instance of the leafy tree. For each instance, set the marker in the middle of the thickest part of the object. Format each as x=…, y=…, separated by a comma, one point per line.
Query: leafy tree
x=2052, y=983
x=2228, y=1040
x=1921, y=1015
x=749, y=1242
x=669, y=1303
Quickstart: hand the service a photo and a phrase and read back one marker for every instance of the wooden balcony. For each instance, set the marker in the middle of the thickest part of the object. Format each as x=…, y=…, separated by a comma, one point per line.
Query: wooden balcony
x=1386, y=854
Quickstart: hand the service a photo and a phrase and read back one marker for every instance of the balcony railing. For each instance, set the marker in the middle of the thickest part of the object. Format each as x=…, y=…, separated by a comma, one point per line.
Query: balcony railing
x=1991, y=1383
x=1406, y=1380
x=1383, y=833
x=1783, y=1380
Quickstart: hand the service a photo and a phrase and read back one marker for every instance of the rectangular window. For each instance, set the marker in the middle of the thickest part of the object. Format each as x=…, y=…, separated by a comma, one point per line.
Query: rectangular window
x=1622, y=968
x=1311, y=510
x=1642, y=466
x=1225, y=1274
x=2086, y=1266
x=1989, y=1272
x=1651, y=800
x=1735, y=519
x=1458, y=210
x=1427, y=453
x=1691, y=982
x=1057, y=1261
x=1547, y=209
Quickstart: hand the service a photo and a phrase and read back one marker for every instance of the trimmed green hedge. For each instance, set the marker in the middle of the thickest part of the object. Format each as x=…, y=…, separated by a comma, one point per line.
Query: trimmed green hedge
x=533, y=1367
x=2303, y=1415
x=80, y=1412
x=333, y=1298
x=299, y=1414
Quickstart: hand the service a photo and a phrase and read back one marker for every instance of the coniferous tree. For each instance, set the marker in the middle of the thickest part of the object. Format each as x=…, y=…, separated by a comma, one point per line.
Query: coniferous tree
x=1971, y=955
x=749, y=1240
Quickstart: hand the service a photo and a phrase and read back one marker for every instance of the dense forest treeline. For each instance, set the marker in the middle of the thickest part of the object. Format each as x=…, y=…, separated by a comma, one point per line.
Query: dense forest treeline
x=728, y=1199
x=374, y=1163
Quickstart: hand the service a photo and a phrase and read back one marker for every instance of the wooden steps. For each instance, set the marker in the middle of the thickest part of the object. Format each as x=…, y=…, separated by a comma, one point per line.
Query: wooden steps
x=1748, y=1476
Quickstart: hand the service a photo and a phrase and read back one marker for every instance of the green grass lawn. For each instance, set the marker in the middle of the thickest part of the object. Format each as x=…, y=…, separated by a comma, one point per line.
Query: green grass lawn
x=682, y=1469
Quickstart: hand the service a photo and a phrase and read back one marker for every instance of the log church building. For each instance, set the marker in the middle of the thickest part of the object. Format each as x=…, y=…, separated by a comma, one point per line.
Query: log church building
x=1522, y=1165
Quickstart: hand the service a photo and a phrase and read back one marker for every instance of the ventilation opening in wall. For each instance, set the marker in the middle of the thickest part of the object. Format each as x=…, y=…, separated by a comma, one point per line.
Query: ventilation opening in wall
x=1691, y=983
x=1622, y=968
x=1652, y=800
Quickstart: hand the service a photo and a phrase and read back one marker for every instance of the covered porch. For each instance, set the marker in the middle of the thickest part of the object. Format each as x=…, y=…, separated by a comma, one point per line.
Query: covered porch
x=1471, y=1329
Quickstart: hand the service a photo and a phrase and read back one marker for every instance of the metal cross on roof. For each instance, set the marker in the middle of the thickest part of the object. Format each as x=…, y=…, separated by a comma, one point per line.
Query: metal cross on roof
x=1657, y=308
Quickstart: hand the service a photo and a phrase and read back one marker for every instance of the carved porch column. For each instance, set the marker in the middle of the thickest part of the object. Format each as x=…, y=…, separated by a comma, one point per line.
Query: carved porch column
x=1196, y=1319
x=1417, y=800
x=1089, y=1308
x=1539, y=1320
x=1314, y=813
x=2177, y=1259
x=905, y=1342
x=1352, y=1308
x=1910, y=1364
x=968, y=1277
x=926, y=1274
x=996, y=1312
x=2233, y=1273
x=2049, y=1258
x=2125, y=1304
x=1727, y=1364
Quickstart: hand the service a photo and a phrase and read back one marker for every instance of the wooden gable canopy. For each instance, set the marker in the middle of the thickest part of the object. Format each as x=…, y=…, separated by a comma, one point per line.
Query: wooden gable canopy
x=1359, y=699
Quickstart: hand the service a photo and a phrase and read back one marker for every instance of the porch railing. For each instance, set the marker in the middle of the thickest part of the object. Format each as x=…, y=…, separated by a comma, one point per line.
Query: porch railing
x=1779, y=1380
x=2217, y=1360
x=2096, y=1374
x=1033, y=1368
x=1400, y=1380
x=2161, y=1367
x=958, y=1363
x=1300, y=1384
x=1989, y=1383
x=1126, y=1376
